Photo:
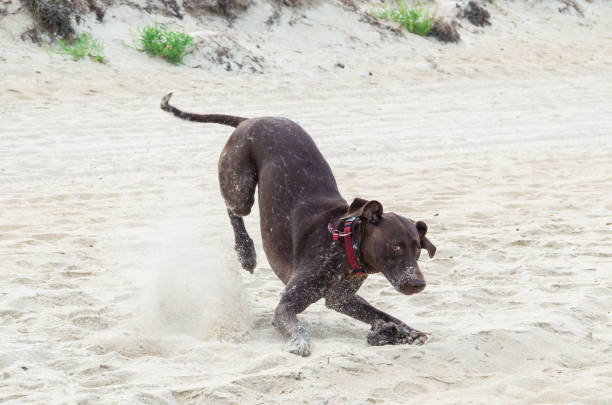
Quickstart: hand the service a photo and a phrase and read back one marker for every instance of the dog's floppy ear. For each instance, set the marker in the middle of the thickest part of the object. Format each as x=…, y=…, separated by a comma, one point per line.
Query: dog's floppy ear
x=425, y=243
x=355, y=205
x=368, y=210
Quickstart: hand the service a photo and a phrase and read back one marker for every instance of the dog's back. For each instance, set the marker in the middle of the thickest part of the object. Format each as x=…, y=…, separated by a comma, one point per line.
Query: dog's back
x=294, y=181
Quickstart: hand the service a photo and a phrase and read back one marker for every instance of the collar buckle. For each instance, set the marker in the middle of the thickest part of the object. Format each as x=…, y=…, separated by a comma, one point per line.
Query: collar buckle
x=349, y=248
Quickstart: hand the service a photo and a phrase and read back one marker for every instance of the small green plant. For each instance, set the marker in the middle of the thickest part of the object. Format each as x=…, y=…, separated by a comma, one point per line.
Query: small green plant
x=414, y=18
x=83, y=46
x=158, y=40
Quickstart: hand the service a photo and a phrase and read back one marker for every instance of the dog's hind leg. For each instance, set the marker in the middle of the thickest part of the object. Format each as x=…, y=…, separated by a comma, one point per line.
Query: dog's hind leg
x=238, y=178
x=244, y=244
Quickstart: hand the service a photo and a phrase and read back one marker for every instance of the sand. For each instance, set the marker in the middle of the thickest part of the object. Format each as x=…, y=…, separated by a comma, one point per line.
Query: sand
x=119, y=283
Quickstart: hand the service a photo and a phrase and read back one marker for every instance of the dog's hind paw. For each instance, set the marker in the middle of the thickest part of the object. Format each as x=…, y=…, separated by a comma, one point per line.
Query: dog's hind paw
x=246, y=254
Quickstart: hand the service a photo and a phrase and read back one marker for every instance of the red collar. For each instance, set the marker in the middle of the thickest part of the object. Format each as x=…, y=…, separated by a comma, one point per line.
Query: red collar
x=349, y=248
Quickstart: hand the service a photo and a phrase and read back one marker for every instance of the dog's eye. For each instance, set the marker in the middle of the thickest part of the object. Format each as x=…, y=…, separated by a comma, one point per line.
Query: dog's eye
x=397, y=248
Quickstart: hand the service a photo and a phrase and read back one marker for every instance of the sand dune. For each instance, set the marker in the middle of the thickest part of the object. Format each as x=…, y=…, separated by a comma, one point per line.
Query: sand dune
x=119, y=284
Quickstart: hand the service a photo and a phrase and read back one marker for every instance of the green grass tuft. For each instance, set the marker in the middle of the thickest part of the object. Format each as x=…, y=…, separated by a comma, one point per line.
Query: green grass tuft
x=157, y=40
x=83, y=46
x=414, y=18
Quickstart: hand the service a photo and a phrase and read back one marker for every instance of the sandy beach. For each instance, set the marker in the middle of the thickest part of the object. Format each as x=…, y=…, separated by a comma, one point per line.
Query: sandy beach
x=118, y=281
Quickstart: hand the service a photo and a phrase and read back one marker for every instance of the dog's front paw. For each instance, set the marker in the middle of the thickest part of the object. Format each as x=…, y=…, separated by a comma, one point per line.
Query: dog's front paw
x=383, y=333
x=389, y=333
x=410, y=336
x=300, y=343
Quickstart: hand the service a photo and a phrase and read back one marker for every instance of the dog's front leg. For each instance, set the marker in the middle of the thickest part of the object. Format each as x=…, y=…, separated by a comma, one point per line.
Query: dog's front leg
x=300, y=292
x=344, y=300
x=358, y=308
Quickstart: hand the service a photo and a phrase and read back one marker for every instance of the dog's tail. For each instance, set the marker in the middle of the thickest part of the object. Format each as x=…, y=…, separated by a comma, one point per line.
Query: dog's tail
x=213, y=118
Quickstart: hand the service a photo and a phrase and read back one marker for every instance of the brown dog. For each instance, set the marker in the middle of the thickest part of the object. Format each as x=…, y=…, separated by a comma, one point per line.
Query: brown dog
x=318, y=245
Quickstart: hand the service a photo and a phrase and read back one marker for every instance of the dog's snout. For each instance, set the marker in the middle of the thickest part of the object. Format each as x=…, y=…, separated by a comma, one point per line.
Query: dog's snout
x=412, y=281
x=412, y=287
x=417, y=286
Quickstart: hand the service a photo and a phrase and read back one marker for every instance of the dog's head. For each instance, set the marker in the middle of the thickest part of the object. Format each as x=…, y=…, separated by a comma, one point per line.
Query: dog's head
x=391, y=244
